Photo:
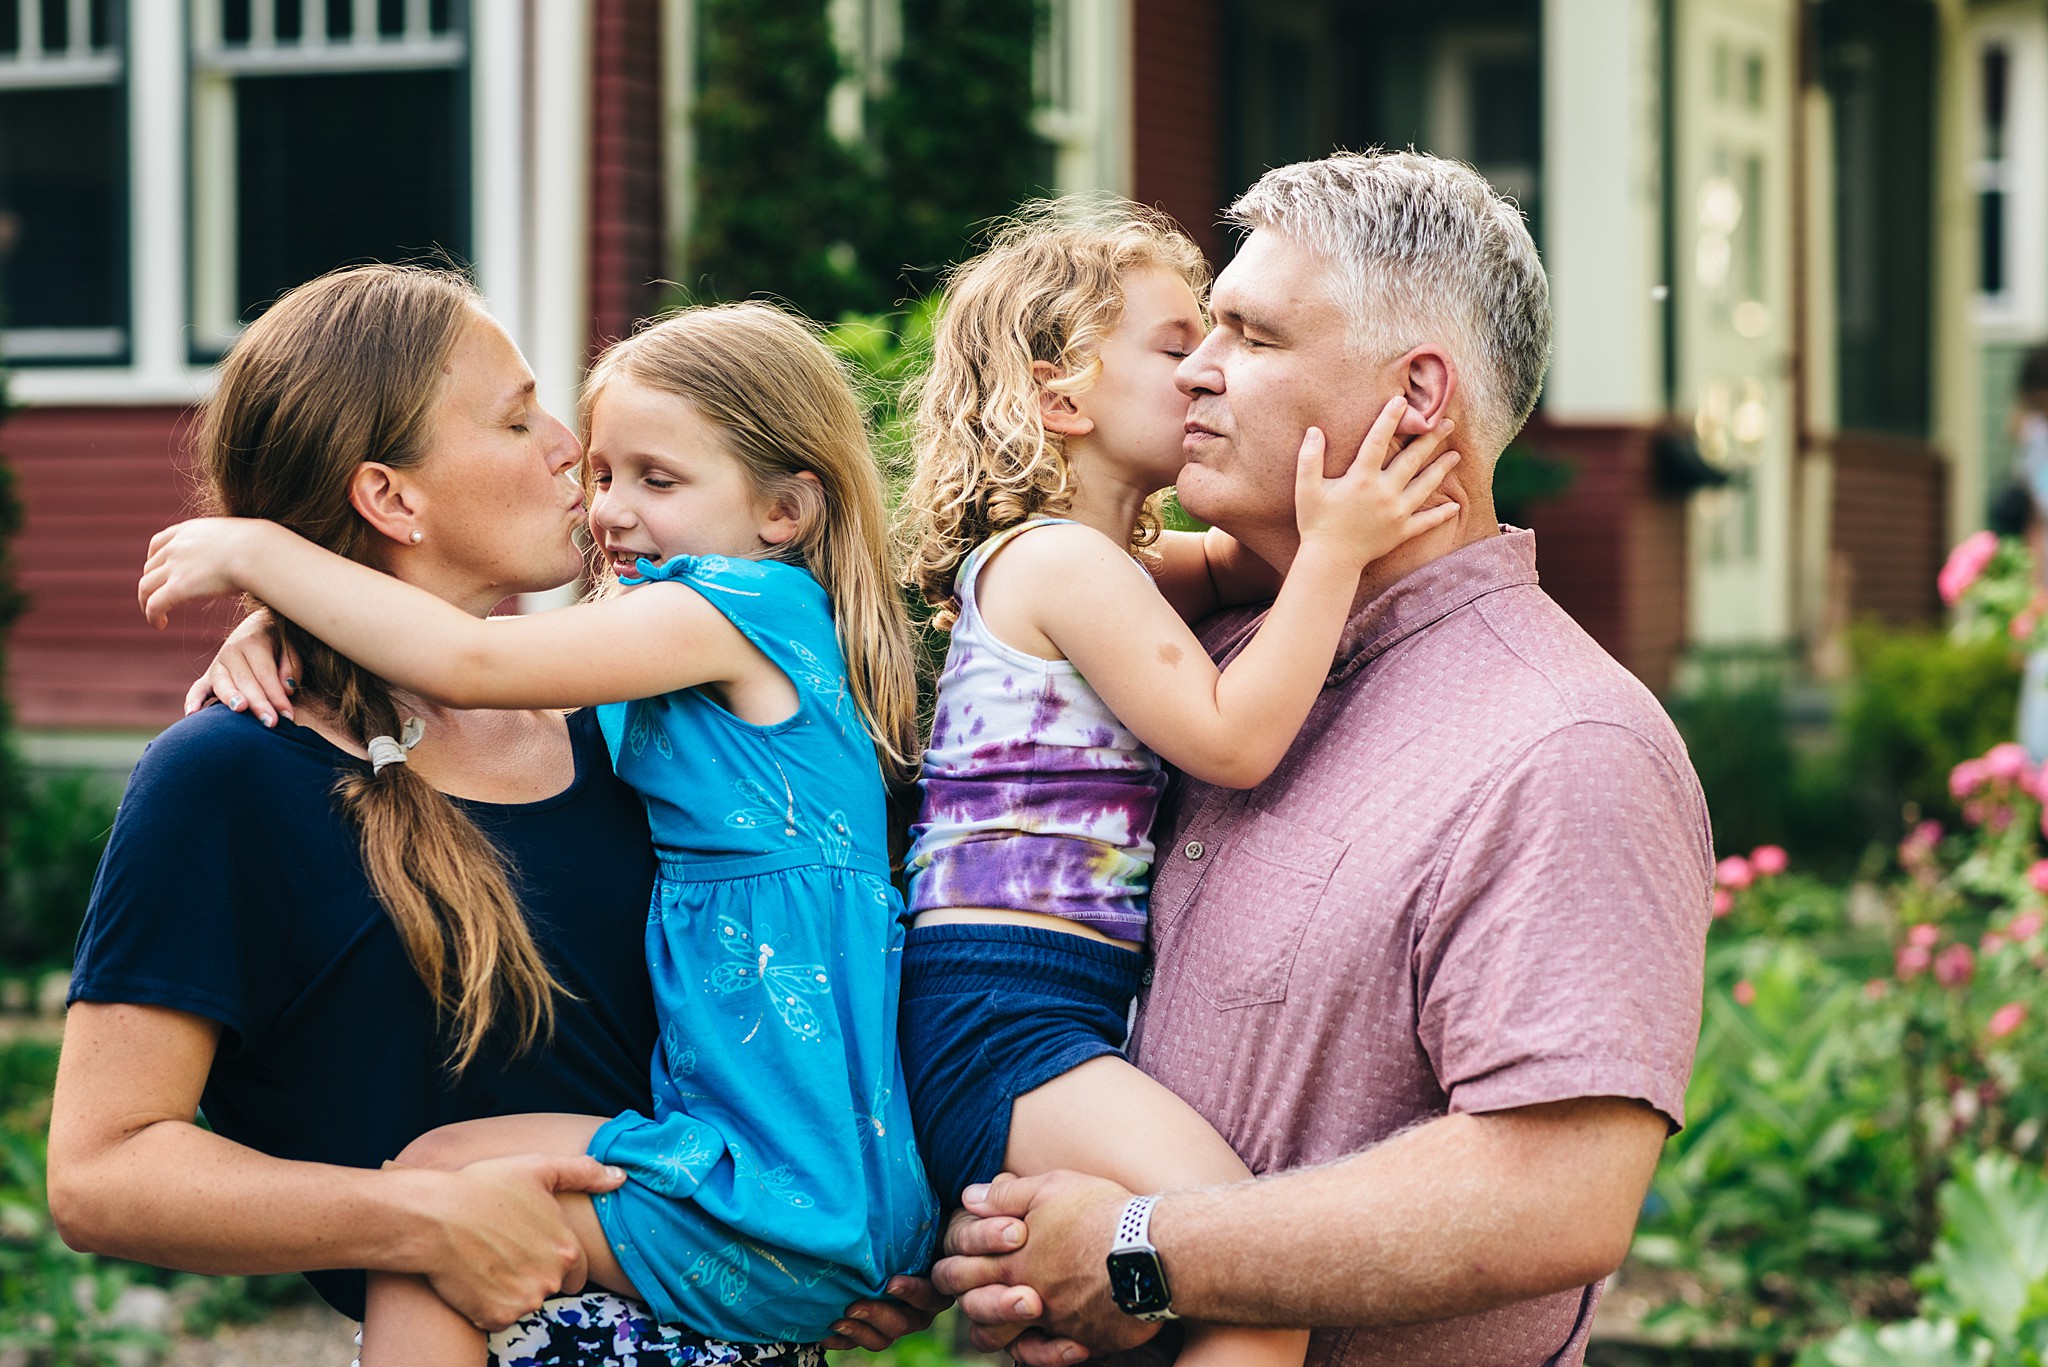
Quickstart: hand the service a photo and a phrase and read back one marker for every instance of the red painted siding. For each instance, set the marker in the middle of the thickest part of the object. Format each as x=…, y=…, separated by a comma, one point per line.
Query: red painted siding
x=96, y=483
x=1176, y=118
x=626, y=166
x=1612, y=550
x=1890, y=518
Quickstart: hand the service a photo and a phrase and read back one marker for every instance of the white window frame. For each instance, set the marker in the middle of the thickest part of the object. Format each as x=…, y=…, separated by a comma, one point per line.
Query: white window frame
x=530, y=96
x=78, y=66
x=2020, y=313
x=1084, y=79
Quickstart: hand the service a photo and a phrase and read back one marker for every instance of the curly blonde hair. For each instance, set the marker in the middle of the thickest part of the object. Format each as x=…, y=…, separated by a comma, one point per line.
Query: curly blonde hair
x=1050, y=287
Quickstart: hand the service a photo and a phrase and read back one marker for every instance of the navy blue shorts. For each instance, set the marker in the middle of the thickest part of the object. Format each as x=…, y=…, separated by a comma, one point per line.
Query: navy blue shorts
x=989, y=1012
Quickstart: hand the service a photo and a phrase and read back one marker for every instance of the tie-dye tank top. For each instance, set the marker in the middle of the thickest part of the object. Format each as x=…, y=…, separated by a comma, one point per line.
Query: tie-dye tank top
x=1036, y=798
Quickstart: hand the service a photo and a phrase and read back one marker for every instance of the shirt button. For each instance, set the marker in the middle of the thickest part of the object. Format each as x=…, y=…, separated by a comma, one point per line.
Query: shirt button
x=1193, y=849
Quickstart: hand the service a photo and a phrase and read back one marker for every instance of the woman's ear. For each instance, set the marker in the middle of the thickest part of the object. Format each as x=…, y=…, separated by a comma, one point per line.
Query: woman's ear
x=801, y=502
x=1058, y=411
x=385, y=499
x=1428, y=380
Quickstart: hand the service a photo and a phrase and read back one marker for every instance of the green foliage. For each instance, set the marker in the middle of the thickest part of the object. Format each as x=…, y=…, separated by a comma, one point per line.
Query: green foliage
x=1761, y=786
x=60, y=829
x=784, y=208
x=1920, y=703
x=780, y=203
x=1524, y=476
x=954, y=131
x=1985, y=1287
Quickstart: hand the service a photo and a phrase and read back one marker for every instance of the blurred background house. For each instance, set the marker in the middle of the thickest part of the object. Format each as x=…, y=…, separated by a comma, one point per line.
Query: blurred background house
x=1796, y=246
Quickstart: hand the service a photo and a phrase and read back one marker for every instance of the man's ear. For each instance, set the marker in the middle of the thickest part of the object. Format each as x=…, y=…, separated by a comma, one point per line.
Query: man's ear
x=1058, y=411
x=801, y=501
x=385, y=499
x=1428, y=381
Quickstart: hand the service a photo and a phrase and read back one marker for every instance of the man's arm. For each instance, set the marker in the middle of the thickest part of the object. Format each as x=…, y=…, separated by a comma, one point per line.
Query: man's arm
x=131, y=1175
x=1454, y=1217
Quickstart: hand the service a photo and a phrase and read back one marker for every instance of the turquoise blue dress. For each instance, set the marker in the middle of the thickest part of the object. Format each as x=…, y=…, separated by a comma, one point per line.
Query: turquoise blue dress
x=777, y=1180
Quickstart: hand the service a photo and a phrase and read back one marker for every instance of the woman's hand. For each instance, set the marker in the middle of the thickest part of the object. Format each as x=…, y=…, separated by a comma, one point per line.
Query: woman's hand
x=874, y=1325
x=1378, y=503
x=193, y=561
x=253, y=668
x=504, y=1246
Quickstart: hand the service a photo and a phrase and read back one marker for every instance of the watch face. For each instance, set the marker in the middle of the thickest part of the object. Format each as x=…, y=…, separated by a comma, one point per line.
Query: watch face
x=1137, y=1283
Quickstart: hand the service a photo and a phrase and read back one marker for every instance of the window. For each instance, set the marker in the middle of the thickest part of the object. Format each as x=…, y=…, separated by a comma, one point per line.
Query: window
x=2011, y=176
x=63, y=167
x=324, y=132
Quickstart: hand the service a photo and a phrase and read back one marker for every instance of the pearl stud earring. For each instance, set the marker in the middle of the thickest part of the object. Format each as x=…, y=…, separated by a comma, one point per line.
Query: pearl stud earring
x=418, y=536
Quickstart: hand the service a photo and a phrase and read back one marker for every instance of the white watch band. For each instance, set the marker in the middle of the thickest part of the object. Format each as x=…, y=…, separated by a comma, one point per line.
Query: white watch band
x=1134, y=1229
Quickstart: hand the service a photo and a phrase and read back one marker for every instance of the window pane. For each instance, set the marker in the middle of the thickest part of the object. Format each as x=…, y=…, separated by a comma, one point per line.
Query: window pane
x=339, y=168
x=60, y=201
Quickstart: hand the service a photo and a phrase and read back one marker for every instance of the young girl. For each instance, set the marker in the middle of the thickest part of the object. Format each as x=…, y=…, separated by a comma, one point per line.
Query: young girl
x=1049, y=420
x=735, y=499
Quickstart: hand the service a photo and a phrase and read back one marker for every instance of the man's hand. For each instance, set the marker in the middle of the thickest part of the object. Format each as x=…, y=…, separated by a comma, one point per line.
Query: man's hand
x=505, y=1247
x=1033, y=1251
x=874, y=1325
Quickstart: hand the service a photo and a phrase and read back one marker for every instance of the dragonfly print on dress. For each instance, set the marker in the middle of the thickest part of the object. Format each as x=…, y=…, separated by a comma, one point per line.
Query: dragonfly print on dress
x=786, y=985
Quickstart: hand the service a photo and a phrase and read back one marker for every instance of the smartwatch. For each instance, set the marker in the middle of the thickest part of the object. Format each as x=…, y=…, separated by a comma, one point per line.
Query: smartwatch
x=1137, y=1282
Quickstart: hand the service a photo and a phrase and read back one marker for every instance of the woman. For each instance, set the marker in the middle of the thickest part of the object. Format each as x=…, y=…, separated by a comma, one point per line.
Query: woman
x=338, y=934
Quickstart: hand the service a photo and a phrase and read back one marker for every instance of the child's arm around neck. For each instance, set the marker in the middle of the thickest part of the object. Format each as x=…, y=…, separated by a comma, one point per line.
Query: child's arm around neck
x=653, y=640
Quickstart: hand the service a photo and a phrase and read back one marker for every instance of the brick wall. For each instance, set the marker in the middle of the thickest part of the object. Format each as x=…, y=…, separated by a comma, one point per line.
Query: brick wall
x=1612, y=550
x=96, y=484
x=627, y=251
x=1176, y=113
x=1890, y=518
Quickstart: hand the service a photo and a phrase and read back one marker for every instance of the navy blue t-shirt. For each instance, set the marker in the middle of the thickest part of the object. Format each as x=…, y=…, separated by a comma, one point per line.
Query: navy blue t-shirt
x=233, y=889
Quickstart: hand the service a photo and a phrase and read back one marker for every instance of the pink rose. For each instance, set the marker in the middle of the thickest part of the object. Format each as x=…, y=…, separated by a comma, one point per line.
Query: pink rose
x=1954, y=965
x=1966, y=778
x=2022, y=624
x=1875, y=989
x=1965, y=565
x=1734, y=872
x=1744, y=993
x=2027, y=924
x=1923, y=935
x=1724, y=902
x=1991, y=942
x=2006, y=1019
x=2007, y=761
x=2037, y=875
x=1768, y=861
x=1911, y=961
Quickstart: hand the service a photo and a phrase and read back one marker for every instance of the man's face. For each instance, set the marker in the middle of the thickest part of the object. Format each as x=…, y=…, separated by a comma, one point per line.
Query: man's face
x=1275, y=363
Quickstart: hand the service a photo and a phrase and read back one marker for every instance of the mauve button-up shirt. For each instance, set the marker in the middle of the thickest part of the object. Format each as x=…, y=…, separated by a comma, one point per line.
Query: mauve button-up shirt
x=1480, y=879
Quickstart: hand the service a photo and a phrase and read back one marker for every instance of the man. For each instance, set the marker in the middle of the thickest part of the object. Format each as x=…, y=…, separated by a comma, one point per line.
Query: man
x=1451, y=950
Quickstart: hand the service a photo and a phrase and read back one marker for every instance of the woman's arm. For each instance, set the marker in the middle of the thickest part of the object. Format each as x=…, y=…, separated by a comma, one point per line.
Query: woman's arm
x=1230, y=727
x=132, y=1175
x=650, y=641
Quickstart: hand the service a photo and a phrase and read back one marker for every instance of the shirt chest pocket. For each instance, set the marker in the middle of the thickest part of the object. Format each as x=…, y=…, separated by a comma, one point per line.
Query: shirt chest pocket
x=1246, y=925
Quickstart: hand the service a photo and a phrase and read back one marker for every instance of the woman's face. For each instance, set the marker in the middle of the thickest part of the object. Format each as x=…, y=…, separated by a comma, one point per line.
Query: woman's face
x=496, y=499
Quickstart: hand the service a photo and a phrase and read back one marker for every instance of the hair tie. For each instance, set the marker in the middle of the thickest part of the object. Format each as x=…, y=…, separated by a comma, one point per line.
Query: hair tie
x=385, y=751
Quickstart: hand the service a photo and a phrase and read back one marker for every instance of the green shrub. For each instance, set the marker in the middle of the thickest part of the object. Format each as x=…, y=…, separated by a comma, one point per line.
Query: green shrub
x=59, y=832
x=1919, y=704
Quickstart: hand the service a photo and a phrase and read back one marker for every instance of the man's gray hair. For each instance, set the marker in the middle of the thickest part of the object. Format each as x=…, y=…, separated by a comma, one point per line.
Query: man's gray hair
x=1423, y=250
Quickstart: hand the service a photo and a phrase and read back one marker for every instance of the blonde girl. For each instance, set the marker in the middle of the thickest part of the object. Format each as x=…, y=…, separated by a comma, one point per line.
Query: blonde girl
x=1046, y=427
x=754, y=682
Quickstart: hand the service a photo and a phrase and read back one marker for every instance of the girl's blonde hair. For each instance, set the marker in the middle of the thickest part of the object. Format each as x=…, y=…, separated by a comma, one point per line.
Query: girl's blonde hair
x=786, y=408
x=1050, y=287
x=343, y=370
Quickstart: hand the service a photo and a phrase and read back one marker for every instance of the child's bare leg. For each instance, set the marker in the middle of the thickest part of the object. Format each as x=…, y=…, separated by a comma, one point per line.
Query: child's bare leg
x=404, y=1321
x=1108, y=1118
